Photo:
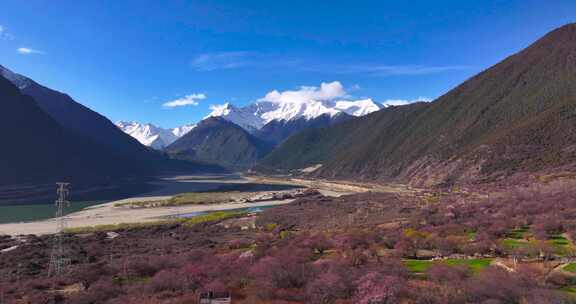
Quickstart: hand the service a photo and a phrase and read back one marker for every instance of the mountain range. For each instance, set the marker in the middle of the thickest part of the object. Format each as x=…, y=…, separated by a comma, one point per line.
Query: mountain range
x=284, y=107
x=264, y=124
x=270, y=119
x=517, y=116
x=151, y=135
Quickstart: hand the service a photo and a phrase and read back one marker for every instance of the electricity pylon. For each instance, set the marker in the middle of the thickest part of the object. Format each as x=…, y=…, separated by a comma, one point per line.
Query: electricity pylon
x=58, y=259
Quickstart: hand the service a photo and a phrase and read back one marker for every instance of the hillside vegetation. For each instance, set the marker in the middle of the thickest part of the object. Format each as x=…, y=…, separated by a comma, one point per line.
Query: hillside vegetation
x=516, y=116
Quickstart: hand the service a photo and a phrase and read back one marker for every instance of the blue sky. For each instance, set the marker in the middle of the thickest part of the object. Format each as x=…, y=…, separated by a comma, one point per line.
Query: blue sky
x=125, y=59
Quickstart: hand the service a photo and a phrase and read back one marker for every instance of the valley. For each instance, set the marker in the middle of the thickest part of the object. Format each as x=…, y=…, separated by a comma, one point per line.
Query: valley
x=261, y=154
x=241, y=193
x=413, y=236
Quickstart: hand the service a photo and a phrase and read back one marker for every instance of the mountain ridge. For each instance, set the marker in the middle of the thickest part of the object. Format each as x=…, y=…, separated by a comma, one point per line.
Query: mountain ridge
x=511, y=117
x=78, y=118
x=308, y=103
x=151, y=135
x=219, y=141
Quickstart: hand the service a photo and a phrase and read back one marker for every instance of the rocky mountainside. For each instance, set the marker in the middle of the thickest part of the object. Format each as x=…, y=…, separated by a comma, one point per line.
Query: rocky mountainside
x=216, y=140
x=515, y=116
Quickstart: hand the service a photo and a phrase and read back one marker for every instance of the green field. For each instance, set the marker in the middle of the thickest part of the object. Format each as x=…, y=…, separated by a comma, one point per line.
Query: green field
x=559, y=240
x=571, y=290
x=190, y=198
x=562, y=246
x=213, y=216
x=570, y=267
x=519, y=233
x=420, y=266
x=208, y=217
x=513, y=243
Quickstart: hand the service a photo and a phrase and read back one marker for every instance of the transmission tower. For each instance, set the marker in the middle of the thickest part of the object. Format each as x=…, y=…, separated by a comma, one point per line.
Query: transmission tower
x=58, y=259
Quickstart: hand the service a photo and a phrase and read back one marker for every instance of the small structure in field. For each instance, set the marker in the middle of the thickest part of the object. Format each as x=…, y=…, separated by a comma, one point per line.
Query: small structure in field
x=215, y=298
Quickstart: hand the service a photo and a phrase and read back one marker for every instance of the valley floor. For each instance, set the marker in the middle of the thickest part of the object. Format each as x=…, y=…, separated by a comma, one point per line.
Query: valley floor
x=111, y=213
x=484, y=245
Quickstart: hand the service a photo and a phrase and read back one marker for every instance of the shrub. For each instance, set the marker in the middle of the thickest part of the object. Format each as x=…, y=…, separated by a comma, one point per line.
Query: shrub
x=166, y=280
x=99, y=292
x=377, y=288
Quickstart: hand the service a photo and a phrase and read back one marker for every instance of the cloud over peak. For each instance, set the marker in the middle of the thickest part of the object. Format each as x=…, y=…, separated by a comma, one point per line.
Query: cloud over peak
x=326, y=91
x=401, y=102
x=188, y=100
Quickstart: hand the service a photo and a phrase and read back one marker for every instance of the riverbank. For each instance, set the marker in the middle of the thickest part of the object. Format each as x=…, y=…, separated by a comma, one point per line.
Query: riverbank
x=117, y=212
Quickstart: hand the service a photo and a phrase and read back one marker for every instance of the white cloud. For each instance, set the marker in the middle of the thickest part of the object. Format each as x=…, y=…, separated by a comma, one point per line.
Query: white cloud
x=401, y=102
x=326, y=91
x=4, y=34
x=28, y=51
x=397, y=70
x=221, y=61
x=188, y=100
x=234, y=60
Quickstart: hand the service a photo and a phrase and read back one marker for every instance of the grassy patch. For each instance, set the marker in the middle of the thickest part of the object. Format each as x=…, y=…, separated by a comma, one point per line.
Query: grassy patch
x=210, y=217
x=190, y=198
x=220, y=195
x=200, y=198
x=476, y=265
x=559, y=240
x=571, y=290
x=213, y=216
x=561, y=244
x=570, y=267
x=513, y=243
x=471, y=235
x=115, y=227
x=518, y=234
x=420, y=266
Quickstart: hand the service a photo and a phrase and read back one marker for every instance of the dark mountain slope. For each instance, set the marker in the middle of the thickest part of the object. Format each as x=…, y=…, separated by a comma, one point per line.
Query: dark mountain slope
x=277, y=131
x=36, y=148
x=79, y=119
x=518, y=115
x=316, y=146
x=36, y=152
x=216, y=140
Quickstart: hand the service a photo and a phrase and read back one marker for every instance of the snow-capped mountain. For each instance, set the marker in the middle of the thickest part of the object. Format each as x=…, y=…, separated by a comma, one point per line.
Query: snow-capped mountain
x=182, y=130
x=245, y=117
x=307, y=102
x=151, y=135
